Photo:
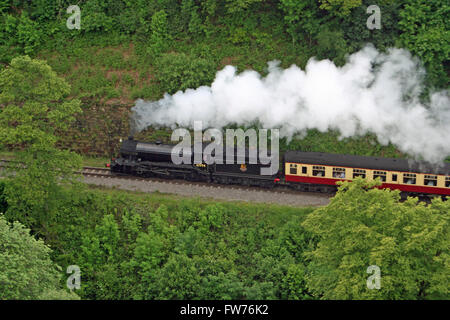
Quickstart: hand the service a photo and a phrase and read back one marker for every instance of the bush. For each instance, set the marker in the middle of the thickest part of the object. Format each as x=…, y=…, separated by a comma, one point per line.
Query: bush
x=160, y=35
x=178, y=71
x=331, y=45
x=26, y=270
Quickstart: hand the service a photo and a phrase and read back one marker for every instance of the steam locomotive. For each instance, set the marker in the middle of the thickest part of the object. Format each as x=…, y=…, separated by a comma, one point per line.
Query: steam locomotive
x=304, y=171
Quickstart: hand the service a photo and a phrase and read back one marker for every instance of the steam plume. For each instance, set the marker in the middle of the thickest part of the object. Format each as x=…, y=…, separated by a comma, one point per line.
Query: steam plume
x=373, y=92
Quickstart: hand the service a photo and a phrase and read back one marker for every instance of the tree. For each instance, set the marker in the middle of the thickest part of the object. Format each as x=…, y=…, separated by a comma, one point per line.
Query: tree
x=178, y=71
x=33, y=110
x=425, y=33
x=331, y=45
x=159, y=34
x=341, y=7
x=179, y=278
x=364, y=226
x=3, y=203
x=98, y=258
x=26, y=270
x=301, y=17
x=234, y=6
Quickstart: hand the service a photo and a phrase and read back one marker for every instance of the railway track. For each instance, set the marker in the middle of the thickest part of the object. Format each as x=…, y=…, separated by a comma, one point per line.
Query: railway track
x=89, y=171
x=105, y=173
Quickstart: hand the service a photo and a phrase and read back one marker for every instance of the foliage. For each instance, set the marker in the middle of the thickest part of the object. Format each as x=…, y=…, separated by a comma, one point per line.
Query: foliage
x=160, y=247
x=301, y=17
x=3, y=203
x=342, y=7
x=359, y=228
x=178, y=71
x=95, y=16
x=331, y=44
x=159, y=34
x=417, y=25
x=234, y=6
x=20, y=31
x=356, y=33
x=425, y=32
x=26, y=270
x=33, y=107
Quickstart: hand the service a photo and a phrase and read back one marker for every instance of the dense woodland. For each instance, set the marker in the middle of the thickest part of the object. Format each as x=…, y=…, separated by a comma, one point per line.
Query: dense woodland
x=141, y=49
x=66, y=94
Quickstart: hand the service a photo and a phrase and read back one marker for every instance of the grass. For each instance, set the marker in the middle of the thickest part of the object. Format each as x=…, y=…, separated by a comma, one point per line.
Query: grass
x=86, y=160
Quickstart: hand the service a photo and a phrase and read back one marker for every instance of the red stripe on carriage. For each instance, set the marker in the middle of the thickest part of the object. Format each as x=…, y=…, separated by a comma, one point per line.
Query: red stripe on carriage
x=401, y=187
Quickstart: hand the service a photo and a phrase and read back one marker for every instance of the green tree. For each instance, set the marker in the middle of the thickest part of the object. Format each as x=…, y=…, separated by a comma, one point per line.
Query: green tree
x=99, y=259
x=21, y=32
x=178, y=71
x=195, y=23
x=425, y=32
x=26, y=270
x=364, y=226
x=354, y=26
x=301, y=17
x=95, y=16
x=3, y=203
x=331, y=45
x=179, y=278
x=341, y=7
x=33, y=110
x=234, y=6
x=160, y=36
x=4, y=5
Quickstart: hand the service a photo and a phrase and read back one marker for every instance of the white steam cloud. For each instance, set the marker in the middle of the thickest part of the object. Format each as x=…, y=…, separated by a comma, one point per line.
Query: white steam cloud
x=373, y=92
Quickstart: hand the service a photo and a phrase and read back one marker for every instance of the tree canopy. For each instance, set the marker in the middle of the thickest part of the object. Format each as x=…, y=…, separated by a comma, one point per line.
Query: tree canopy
x=26, y=269
x=33, y=111
x=408, y=241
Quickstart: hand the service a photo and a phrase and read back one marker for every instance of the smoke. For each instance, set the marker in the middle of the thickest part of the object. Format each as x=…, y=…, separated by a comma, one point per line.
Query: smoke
x=373, y=92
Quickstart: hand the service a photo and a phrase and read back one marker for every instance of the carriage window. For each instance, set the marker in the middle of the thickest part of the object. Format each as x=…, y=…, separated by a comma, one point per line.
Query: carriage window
x=304, y=170
x=318, y=171
x=380, y=174
x=430, y=180
x=409, y=178
x=447, y=182
x=339, y=173
x=293, y=169
x=359, y=173
x=394, y=177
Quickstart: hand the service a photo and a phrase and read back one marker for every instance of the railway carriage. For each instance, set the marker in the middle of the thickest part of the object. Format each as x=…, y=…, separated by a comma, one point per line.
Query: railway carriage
x=318, y=171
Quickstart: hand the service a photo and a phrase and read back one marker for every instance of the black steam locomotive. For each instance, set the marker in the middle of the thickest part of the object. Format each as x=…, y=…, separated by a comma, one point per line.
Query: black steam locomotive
x=155, y=160
x=305, y=171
